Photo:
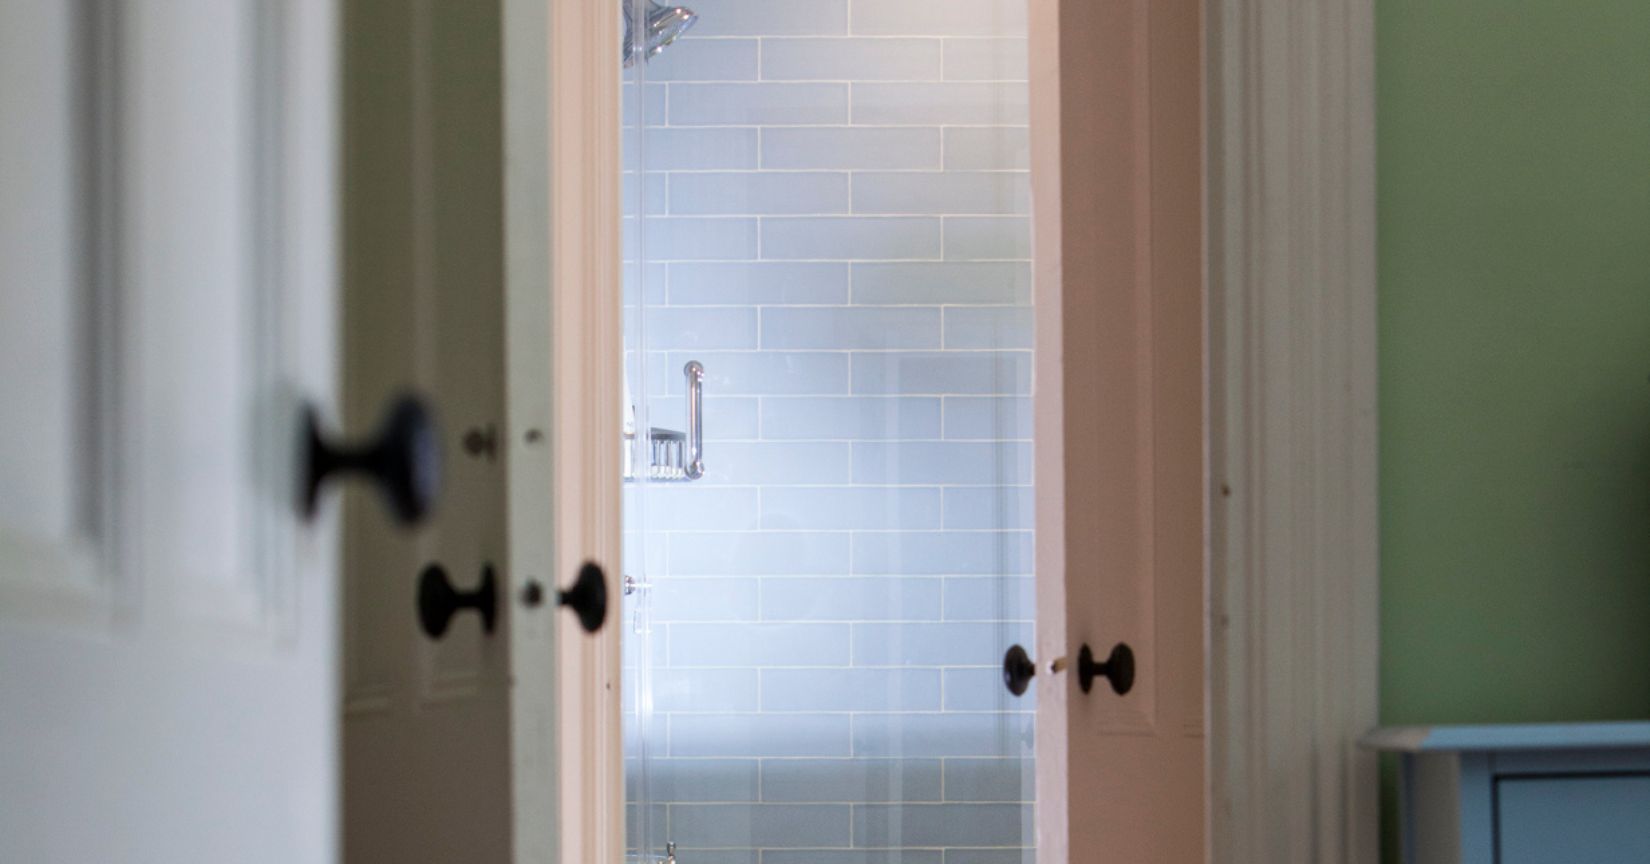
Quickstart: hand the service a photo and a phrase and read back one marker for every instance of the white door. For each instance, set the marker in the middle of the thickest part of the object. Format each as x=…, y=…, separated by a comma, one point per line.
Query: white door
x=166, y=300
x=426, y=723
x=1121, y=543
x=452, y=739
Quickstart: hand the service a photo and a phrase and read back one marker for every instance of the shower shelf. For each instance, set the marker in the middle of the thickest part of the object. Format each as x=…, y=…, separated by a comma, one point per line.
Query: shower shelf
x=675, y=457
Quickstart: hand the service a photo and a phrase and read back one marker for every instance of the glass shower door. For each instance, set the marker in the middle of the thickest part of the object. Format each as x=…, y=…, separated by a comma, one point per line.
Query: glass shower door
x=827, y=209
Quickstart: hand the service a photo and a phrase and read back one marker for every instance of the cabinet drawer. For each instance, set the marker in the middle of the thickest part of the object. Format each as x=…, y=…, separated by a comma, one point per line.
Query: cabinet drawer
x=1557, y=820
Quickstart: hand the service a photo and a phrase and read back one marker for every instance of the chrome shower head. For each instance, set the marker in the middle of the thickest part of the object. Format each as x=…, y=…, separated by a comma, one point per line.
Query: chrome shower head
x=663, y=26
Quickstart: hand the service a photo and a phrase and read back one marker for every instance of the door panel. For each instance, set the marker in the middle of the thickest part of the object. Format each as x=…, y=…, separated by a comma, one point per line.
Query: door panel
x=166, y=646
x=427, y=730
x=1116, y=152
x=49, y=454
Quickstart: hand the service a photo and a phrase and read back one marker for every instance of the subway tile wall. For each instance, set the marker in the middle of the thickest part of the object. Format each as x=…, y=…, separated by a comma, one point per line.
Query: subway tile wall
x=836, y=224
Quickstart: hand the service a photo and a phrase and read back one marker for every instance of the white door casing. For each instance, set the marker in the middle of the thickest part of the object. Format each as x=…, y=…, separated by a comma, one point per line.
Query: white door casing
x=168, y=284
x=1294, y=575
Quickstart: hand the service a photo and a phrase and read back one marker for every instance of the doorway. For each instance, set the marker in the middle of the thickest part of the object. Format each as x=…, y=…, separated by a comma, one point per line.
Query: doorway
x=828, y=501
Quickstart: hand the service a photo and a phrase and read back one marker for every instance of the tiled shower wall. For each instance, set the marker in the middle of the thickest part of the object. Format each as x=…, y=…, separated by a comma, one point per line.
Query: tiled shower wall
x=838, y=229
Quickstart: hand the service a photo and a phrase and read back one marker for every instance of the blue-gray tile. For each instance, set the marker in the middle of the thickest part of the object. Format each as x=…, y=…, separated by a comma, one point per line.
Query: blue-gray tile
x=853, y=238
x=935, y=553
x=761, y=193
x=767, y=18
x=845, y=148
x=678, y=598
x=763, y=104
x=727, y=418
x=850, y=690
x=942, y=282
x=924, y=644
x=700, y=508
x=875, y=418
x=851, y=780
x=851, y=599
x=988, y=856
x=840, y=327
x=705, y=690
x=687, y=238
x=758, y=553
x=990, y=598
x=936, y=735
x=654, y=287
x=700, y=149
x=776, y=463
x=935, y=104
x=758, y=283
x=982, y=690
x=766, y=645
x=941, y=18
x=940, y=824
x=988, y=418
x=720, y=856
x=990, y=779
x=854, y=856
x=646, y=111
x=987, y=59
x=996, y=327
x=645, y=193
x=708, y=826
x=701, y=327
x=828, y=508
x=987, y=238
x=768, y=735
x=941, y=192
x=633, y=823
x=713, y=780
x=851, y=59
x=943, y=373
x=987, y=148
x=693, y=59
x=950, y=463
x=758, y=373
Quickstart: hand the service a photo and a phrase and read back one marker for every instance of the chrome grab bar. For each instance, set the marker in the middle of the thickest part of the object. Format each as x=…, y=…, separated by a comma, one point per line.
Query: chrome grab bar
x=695, y=372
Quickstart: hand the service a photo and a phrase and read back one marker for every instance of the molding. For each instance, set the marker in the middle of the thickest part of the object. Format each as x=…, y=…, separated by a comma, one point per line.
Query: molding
x=1294, y=571
x=563, y=283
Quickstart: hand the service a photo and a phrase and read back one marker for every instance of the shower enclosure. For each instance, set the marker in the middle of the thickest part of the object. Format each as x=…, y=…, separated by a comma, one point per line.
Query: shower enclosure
x=828, y=465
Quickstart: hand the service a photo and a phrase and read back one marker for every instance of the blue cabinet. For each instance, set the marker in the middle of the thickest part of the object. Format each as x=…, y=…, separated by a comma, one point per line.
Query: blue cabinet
x=1522, y=794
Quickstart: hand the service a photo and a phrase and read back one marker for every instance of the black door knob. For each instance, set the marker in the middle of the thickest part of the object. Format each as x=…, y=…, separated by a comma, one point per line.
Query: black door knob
x=1118, y=668
x=588, y=597
x=1018, y=670
x=403, y=457
x=439, y=601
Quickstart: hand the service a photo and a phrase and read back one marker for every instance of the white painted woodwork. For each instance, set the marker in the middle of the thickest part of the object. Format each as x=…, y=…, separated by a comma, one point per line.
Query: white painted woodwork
x=1116, y=130
x=167, y=275
x=1294, y=573
x=587, y=391
x=484, y=272
x=427, y=743
x=528, y=431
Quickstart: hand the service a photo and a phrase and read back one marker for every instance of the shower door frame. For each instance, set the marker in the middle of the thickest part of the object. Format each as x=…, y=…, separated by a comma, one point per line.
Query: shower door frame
x=1291, y=415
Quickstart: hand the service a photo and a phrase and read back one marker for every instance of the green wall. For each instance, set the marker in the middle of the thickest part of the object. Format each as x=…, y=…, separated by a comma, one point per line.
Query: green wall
x=1514, y=182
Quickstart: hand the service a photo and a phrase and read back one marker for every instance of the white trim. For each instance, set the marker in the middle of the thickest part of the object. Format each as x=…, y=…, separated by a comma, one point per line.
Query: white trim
x=1294, y=578
x=528, y=458
x=562, y=152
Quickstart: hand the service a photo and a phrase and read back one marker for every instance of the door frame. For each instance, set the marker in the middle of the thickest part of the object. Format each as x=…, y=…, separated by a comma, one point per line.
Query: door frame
x=563, y=284
x=1293, y=594
x=1293, y=542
